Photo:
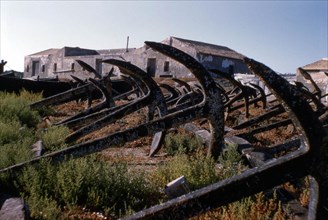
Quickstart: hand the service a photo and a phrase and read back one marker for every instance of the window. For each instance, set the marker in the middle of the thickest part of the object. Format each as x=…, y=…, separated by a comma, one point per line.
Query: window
x=72, y=66
x=43, y=68
x=28, y=68
x=166, y=66
x=55, y=67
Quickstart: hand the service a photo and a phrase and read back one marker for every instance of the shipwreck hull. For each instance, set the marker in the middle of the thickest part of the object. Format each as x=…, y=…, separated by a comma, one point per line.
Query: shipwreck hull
x=48, y=88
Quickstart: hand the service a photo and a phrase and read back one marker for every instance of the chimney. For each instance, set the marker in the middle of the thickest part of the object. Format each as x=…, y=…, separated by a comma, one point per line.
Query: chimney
x=127, y=44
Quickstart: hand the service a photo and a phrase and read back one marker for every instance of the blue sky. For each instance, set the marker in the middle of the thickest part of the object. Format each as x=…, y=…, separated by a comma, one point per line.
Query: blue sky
x=282, y=34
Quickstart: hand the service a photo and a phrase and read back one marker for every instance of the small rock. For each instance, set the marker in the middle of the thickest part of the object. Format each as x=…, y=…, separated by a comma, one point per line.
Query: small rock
x=14, y=209
x=37, y=148
x=177, y=187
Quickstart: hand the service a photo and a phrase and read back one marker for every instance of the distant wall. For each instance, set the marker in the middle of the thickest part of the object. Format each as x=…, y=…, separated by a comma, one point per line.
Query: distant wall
x=222, y=63
x=62, y=63
x=319, y=78
x=250, y=78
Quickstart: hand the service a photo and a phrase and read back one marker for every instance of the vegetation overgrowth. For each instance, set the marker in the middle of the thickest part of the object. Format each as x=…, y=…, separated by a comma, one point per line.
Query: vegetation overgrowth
x=91, y=184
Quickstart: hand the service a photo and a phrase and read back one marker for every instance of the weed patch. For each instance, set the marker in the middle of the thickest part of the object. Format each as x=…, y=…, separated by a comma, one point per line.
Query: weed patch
x=181, y=143
x=85, y=182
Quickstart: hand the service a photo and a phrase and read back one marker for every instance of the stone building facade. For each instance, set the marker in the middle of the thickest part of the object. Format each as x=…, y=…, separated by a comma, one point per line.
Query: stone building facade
x=61, y=62
x=318, y=70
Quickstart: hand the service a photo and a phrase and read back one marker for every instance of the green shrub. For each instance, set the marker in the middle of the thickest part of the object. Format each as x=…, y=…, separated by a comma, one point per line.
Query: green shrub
x=15, y=143
x=36, y=184
x=254, y=207
x=14, y=153
x=86, y=182
x=16, y=123
x=29, y=96
x=231, y=162
x=16, y=108
x=181, y=143
x=54, y=138
x=45, y=111
x=43, y=207
x=34, y=97
x=9, y=132
x=199, y=171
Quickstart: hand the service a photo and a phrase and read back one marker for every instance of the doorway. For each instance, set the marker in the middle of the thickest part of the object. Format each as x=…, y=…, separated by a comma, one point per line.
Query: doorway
x=35, y=68
x=151, y=66
x=99, y=66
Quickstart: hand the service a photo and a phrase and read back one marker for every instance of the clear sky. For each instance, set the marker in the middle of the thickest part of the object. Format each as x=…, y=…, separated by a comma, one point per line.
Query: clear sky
x=281, y=34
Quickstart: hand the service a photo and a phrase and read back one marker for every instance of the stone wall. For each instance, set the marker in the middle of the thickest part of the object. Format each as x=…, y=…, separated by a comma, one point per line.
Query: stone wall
x=62, y=63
